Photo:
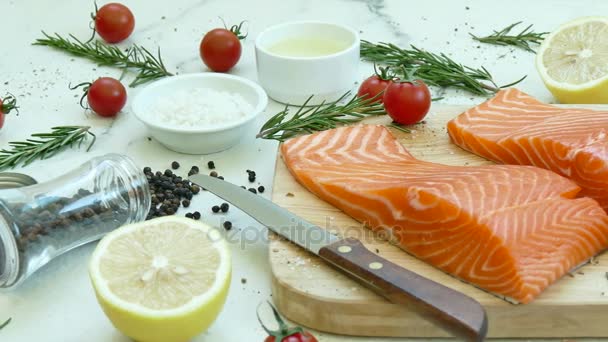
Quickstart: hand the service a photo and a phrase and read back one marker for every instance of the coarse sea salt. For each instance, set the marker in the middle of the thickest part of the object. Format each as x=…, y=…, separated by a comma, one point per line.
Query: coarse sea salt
x=199, y=108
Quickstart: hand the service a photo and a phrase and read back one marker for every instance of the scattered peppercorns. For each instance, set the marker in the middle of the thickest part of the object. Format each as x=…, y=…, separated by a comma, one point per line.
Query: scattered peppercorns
x=193, y=170
x=224, y=207
x=211, y=165
x=175, y=165
x=261, y=189
x=169, y=192
x=251, y=175
x=227, y=225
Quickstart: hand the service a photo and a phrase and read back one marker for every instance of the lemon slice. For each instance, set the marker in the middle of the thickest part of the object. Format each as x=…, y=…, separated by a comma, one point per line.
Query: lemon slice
x=161, y=280
x=573, y=61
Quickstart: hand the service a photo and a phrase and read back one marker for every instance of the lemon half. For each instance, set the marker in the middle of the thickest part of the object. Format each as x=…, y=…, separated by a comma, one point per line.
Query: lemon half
x=161, y=280
x=573, y=61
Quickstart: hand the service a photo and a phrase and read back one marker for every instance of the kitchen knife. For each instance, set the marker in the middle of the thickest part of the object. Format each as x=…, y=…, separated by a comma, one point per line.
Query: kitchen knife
x=453, y=311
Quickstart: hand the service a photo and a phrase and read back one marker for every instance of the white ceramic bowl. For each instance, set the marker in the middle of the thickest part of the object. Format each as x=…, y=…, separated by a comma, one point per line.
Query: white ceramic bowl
x=201, y=140
x=291, y=80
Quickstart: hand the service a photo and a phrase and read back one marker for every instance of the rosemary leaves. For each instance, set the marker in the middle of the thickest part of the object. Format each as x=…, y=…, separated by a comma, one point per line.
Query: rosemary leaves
x=5, y=323
x=44, y=145
x=521, y=40
x=434, y=69
x=319, y=118
x=148, y=66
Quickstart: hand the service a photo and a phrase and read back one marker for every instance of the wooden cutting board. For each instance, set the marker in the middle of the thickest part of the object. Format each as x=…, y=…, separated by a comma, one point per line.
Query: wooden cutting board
x=309, y=292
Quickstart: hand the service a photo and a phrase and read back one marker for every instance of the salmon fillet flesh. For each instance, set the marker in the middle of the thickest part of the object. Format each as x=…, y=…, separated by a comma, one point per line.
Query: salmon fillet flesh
x=511, y=230
x=515, y=128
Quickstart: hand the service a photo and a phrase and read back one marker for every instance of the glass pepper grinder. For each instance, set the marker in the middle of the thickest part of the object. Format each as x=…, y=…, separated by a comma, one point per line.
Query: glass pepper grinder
x=42, y=221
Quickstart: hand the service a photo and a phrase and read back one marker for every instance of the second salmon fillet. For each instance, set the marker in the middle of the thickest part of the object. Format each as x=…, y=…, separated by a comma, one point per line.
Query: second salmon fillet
x=515, y=128
x=511, y=230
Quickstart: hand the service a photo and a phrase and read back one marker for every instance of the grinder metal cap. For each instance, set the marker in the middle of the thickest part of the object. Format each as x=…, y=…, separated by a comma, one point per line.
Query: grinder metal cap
x=9, y=255
x=9, y=180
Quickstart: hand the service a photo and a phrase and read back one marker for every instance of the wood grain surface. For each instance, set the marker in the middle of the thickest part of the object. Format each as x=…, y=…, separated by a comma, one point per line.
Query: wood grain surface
x=311, y=293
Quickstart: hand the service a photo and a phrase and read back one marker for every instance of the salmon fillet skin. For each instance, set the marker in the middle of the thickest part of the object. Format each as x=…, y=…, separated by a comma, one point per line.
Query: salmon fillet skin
x=515, y=128
x=509, y=229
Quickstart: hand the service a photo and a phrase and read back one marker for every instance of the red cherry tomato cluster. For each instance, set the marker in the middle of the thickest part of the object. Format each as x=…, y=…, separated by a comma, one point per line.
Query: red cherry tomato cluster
x=374, y=86
x=406, y=101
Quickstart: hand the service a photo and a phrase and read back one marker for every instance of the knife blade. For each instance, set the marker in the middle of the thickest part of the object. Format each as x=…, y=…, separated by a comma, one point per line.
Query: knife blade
x=451, y=310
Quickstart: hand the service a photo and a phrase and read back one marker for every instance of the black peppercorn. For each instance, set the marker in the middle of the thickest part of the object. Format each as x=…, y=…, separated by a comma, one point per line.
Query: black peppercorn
x=168, y=173
x=189, y=215
x=195, y=169
x=196, y=215
x=186, y=203
x=211, y=165
x=227, y=225
x=253, y=190
x=195, y=189
x=175, y=165
x=220, y=177
x=147, y=169
x=215, y=208
x=261, y=188
x=224, y=207
x=213, y=174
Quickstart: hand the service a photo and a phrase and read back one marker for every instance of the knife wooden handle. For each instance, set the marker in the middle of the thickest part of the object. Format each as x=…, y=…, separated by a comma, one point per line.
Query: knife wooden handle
x=453, y=311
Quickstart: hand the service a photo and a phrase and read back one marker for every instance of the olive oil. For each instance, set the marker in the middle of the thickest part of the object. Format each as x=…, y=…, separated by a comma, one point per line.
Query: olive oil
x=308, y=47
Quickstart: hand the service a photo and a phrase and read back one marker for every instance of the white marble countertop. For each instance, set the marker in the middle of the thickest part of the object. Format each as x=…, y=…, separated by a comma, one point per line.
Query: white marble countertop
x=57, y=303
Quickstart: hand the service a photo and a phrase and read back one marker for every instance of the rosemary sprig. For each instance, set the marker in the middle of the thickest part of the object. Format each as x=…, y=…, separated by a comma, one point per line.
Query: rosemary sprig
x=44, y=145
x=5, y=323
x=399, y=127
x=521, y=40
x=319, y=118
x=434, y=69
x=148, y=66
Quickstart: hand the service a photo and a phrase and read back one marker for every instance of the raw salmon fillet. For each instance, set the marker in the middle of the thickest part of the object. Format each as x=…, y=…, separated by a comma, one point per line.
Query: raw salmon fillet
x=511, y=230
x=515, y=128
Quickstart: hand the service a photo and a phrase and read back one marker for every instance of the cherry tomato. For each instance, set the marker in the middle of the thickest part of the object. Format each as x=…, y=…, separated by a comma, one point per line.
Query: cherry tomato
x=220, y=48
x=297, y=337
x=373, y=86
x=6, y=105
x=285, y=333
x=114, y=22
x=106, y=96
x=407, y=103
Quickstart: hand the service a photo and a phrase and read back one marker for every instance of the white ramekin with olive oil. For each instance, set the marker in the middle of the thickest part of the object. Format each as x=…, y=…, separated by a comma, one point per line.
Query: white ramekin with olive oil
x=298, y=59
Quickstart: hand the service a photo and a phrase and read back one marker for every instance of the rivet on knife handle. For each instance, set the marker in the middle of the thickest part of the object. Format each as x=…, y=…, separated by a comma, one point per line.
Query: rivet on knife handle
x=455, y=312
